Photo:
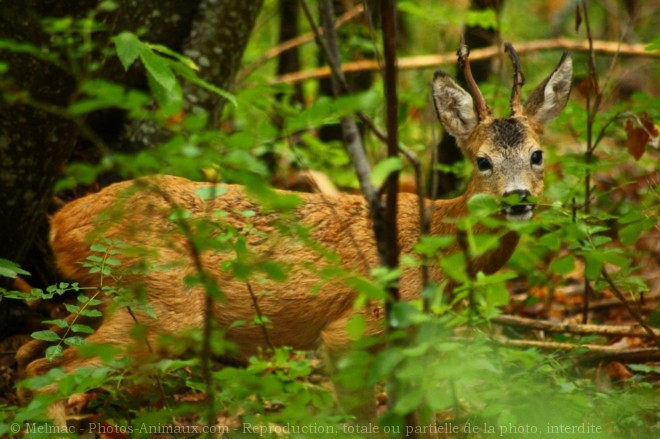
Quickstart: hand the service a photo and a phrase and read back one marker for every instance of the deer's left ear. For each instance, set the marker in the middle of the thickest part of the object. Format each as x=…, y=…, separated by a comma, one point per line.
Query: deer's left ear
x=550, y=97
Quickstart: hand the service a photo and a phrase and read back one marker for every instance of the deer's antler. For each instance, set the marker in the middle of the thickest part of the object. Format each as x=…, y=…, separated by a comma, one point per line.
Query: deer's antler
x=463, y=54
x=518, y=80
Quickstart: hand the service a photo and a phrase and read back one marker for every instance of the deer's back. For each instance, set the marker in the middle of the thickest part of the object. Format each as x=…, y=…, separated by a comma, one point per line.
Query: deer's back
x=283, y=260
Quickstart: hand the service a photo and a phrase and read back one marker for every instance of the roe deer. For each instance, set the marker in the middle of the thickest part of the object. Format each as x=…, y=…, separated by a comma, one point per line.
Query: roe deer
x=304, y=312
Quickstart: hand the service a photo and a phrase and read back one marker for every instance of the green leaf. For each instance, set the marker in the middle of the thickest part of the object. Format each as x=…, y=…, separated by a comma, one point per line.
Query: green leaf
x=27, y=48
x=563, y=265
x=100, y=248
x=170, y=103
x=128, y=48
x=60, y=323
x=433, y=244
x=645, y=368
x=90, y=313
x=158, y=68
x=10, y=269
x=108, y=6
x=486, y=18
x=482, y=205
x=356, y=326
x=366, y=287
x=53, y=352
x=630, y=233
x=385, y=363
x=74, y=341
x=46, y=335
x=551, y=240
x=631, y=217
x=211, y=191
x=77, y=327
x=410, y=400
x=113, y=262
x=384, y=169
x=194, y=79
x=653, y=45
x=594, y=265
x=497, y=295
x=455, y=267
x=169, y=52
x=72, y=308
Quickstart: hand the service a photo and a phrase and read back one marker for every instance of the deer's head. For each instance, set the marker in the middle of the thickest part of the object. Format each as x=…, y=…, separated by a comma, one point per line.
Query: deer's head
x=506, y=152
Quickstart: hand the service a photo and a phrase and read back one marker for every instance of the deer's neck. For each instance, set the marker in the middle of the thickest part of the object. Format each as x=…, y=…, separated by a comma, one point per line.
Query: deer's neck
x=441, y=224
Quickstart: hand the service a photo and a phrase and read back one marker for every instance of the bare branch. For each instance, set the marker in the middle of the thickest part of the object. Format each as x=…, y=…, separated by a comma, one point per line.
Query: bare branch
x=295, y=42
x=260, y=317
x=433, y=61
x=351, y=134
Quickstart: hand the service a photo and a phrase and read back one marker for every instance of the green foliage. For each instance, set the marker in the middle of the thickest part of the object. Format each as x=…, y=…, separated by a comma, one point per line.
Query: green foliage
x=10, y=269
x=443, y=355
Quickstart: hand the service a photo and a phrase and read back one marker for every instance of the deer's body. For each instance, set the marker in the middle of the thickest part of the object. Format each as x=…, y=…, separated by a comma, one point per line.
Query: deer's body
x=300, y=317
x=307, y=308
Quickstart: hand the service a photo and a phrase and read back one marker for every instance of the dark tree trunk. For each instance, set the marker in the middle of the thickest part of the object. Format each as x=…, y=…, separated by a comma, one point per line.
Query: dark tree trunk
x=217, y=42
x=36, y=142
x=289, y=60
x=447, y=150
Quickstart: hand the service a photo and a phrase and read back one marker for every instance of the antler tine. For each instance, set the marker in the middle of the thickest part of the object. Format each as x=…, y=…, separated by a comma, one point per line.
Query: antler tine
x=518, y=80
x=463, y=54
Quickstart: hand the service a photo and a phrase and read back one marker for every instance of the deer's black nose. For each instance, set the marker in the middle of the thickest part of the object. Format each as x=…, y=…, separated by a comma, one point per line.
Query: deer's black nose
x=522, y=195
x=516, y=204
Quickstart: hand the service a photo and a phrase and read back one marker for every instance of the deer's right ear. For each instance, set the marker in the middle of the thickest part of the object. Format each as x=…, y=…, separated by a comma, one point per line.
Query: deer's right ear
x=454, y=107
x=550, y=97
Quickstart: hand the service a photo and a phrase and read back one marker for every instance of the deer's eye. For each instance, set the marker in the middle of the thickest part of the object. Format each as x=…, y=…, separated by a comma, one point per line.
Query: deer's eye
x=537, y=157
x=484, y=164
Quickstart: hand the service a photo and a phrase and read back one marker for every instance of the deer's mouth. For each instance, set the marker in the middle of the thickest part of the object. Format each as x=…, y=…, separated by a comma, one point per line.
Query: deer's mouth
x=519, y=212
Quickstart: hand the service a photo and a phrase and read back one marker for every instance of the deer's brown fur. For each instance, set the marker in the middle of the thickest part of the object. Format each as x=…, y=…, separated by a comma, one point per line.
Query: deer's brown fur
x=137, y=212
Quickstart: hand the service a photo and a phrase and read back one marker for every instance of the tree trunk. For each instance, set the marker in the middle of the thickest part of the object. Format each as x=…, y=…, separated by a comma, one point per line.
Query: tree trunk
x=289, y=60
x=36, y=141
x=34, y=144
x=216, y=44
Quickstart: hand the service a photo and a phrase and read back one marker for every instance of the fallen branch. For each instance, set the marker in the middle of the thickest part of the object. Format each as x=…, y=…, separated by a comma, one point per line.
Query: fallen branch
x=544, y=325
x=613, y=301
x=433, y=61
x=591, y=353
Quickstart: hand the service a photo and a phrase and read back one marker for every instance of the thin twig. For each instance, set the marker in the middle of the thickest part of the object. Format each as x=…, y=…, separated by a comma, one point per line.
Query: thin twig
x=294, y=42
x=462, y=241
x=352, y=139
x=328, y=47
x=257, y=309
x=392, y=122
x=633, y=312
x=592, y=111
x=206, y=280
x=433, y=61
